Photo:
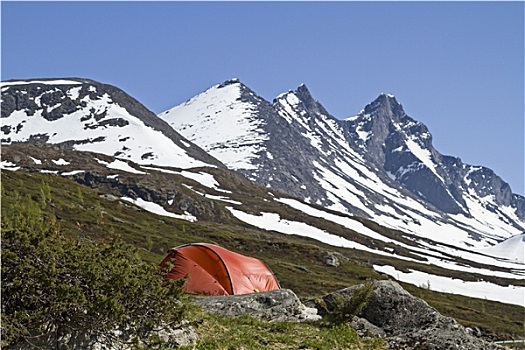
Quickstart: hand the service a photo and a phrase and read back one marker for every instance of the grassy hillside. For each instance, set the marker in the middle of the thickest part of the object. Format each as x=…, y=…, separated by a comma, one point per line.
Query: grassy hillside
x=299, y=263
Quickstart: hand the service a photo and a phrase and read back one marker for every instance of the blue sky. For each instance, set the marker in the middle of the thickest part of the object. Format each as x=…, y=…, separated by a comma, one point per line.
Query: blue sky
x=458, y=67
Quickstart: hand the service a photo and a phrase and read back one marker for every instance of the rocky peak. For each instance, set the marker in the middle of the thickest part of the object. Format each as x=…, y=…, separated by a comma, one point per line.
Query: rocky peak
x=312, y=106
x=301, y=102
x=304, y=94
x=385, y=106
x=230, y=82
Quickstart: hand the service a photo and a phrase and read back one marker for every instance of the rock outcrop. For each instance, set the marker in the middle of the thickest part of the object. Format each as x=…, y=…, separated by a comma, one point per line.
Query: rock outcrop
x=163, y=337
x=380, y=309
x=275, y=305
x=384, y=308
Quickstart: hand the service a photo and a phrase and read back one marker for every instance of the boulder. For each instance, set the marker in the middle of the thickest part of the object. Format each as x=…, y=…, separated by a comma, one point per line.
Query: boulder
x=275, y=305
x=407, y=322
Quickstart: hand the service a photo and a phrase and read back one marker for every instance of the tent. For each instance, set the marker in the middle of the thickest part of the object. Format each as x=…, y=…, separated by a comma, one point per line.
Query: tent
x=214, y=270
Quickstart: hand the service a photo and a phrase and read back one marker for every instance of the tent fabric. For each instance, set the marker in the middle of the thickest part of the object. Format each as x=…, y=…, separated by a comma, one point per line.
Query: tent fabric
x=214, y=270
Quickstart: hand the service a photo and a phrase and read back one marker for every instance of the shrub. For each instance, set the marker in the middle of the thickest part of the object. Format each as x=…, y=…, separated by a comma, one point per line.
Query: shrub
x=343, y=307
x=53, y=283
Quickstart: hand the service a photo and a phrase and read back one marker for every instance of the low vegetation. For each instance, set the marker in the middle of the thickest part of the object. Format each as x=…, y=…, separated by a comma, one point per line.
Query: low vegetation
x=52, y=283
x=343, y=308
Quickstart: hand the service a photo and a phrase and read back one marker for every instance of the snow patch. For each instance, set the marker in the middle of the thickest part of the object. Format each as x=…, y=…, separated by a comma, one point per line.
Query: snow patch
x=121, y=165
x=36, y=161
x=481, y=289
x=203, y=178
x=74, y=93
x=60, y=161
x=8, y=165
x=71, y=173
x=159, y=210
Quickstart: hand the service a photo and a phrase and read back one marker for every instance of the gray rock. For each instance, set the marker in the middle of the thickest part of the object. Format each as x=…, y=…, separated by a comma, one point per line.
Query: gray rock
x=181, y=336
x=109, y=197
x=170, y=337
x=408, y=322
x=276, y=305
x=365, y=328
x=334, y=258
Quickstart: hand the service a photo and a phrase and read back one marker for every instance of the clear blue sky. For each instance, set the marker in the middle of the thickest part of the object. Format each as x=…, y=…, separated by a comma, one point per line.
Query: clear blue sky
x=458, y=67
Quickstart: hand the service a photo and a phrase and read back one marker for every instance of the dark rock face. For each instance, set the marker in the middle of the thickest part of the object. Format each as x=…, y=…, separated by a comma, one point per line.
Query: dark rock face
x=276, y=305
x=396, y=142
x=409, y=323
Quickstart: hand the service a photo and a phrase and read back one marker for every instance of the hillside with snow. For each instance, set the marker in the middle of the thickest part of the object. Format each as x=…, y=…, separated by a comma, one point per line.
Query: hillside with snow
x=90, y=116
x=319, y=179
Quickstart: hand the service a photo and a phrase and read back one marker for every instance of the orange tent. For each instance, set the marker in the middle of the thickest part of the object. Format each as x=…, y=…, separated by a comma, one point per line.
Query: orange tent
x=214, y=270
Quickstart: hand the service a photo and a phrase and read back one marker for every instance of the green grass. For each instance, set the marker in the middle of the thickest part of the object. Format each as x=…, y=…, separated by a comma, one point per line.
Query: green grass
x=297, y=262
x=246, y=332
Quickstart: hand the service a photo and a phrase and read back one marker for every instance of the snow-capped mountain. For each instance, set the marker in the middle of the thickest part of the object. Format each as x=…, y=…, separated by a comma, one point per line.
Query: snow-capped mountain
x=380, y=164
x=403, y=147
x=512, y=249
x=90, y=116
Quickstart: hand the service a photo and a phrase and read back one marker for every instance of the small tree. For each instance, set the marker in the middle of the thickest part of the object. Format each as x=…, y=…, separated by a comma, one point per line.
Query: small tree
x=53, y=283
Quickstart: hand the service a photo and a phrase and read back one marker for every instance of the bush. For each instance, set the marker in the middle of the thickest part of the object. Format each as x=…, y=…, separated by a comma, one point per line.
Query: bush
x=61, y=285
x=343, y=307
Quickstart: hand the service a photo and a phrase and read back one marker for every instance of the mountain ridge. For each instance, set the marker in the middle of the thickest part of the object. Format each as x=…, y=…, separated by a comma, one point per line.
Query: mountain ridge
x=300, y=139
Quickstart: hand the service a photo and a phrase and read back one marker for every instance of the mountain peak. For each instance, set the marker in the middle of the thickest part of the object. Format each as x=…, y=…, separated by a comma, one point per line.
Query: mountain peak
x=229, y=82
x=388, y=99
x=309, y=102
x=302, y=88
x=386, y=105
x=304, y=94
x=391, y=96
